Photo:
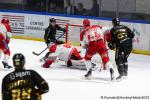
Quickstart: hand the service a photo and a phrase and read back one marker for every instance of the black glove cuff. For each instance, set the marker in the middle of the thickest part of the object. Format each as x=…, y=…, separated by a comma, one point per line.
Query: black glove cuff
x=111, y=46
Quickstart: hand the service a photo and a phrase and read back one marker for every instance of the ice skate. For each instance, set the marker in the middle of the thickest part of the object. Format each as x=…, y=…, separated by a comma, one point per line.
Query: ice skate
x=69, y=63
x=88, y=74
x=112, y=74
x=120, y=78
x=6, y=66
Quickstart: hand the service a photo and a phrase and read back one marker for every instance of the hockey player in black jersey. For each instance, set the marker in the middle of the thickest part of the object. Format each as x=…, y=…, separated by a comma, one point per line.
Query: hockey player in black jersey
x=50, y=32
x=23, y=84
x=121, y=39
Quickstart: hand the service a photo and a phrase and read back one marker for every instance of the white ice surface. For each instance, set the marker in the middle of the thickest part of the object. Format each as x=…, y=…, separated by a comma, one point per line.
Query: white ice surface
x=69, y=84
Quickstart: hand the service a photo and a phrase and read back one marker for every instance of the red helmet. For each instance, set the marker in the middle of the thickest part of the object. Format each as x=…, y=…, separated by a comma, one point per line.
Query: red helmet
x=86, y=22
x=5, y=21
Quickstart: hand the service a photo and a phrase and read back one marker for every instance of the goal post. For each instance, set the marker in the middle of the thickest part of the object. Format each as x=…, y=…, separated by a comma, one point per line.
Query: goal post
x=72, y=34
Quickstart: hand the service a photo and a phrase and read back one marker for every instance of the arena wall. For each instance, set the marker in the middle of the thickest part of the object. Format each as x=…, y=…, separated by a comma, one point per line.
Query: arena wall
x=27, y=25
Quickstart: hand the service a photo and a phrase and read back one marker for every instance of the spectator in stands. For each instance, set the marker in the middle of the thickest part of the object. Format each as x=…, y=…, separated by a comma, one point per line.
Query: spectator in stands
x=81, y=10
x=70, y=9
x=40, y=4
x=35, y=5
x=94, y=11
x=52, y=7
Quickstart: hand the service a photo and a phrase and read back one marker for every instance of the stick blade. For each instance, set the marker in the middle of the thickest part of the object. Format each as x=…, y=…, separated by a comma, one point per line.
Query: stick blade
x=35, y=53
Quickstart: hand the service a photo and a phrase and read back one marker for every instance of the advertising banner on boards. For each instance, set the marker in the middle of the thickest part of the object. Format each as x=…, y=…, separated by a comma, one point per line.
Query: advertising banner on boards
x=34, y=25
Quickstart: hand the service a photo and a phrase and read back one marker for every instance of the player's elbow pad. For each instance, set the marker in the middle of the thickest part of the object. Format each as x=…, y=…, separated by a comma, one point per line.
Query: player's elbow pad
x=44, y=88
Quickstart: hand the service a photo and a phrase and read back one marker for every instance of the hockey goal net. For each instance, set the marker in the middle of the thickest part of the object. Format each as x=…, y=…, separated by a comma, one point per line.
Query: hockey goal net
x=72, y=34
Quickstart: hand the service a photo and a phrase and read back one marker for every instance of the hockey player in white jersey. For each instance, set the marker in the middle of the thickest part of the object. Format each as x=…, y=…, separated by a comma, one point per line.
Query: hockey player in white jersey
x=92, y=39
x=67, y=53
x=4, y=40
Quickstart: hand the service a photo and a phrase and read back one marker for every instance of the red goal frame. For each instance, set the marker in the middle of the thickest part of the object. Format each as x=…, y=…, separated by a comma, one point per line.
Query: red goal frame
x=66, y=24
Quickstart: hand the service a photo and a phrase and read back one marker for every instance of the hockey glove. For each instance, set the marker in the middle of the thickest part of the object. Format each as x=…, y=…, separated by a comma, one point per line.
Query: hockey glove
x=47, y=41
x=111, y=46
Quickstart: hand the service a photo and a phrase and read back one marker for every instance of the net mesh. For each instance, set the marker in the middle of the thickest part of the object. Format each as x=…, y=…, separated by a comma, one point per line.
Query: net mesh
x=72, y=34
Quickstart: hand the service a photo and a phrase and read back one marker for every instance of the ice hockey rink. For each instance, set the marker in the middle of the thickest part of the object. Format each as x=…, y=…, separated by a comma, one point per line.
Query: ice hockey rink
x=69, y=84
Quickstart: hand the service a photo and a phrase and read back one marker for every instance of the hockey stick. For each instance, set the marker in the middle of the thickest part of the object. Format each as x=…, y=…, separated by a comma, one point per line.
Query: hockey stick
x=37, y=54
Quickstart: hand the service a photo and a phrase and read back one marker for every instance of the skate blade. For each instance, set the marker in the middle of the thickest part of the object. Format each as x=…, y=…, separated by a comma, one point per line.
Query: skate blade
x=121, y=79
x=113, y=79
x=88, y=78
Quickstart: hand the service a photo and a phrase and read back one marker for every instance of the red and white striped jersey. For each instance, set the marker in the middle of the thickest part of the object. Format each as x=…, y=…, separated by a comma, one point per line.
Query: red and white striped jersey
x=93, y=33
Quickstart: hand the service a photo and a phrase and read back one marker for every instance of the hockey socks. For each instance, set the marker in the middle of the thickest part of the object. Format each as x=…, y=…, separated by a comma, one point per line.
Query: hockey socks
x=48, y=63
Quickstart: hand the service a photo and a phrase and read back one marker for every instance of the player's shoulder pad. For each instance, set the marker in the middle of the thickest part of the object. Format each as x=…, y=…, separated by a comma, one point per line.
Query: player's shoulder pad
x=124, y=26
x=32, y=71
x=8, y=75
x=112, y=29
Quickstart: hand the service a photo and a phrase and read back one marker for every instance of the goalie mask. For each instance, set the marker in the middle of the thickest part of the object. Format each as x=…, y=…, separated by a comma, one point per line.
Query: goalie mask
x=19, y=61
